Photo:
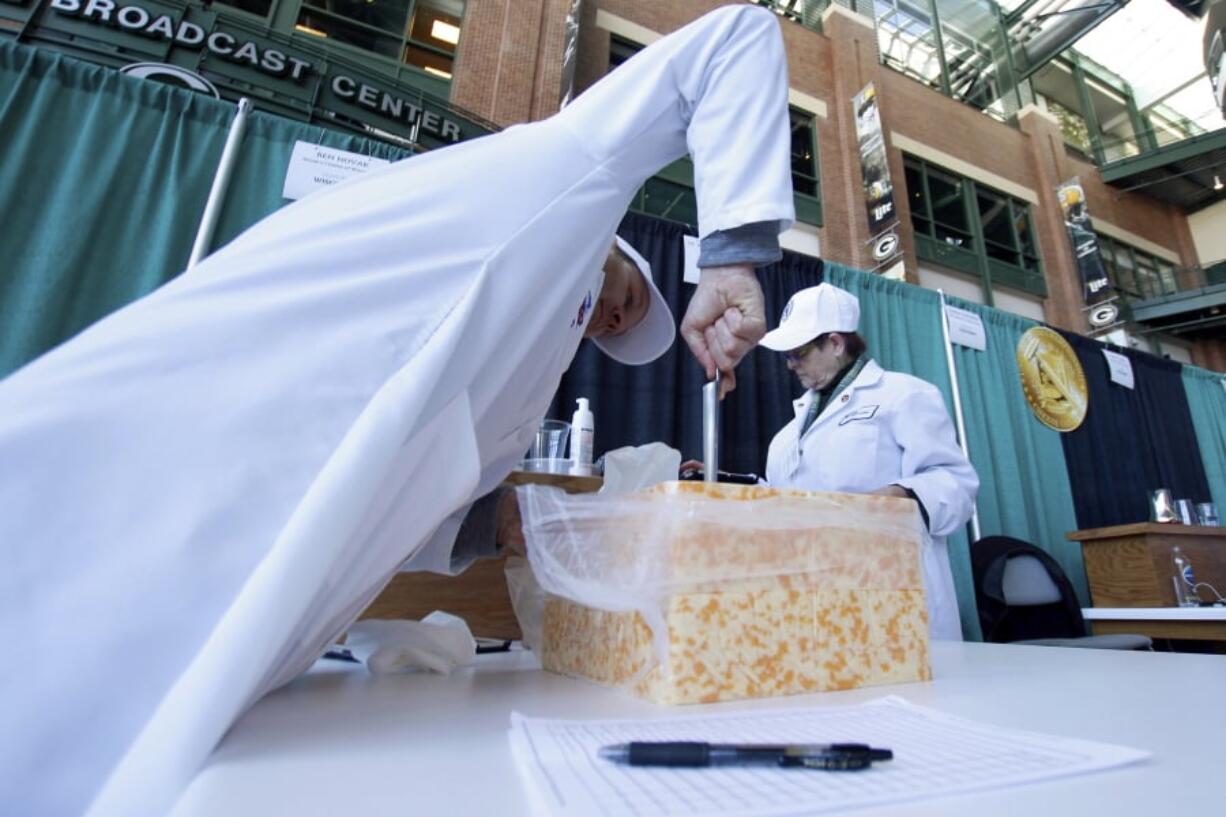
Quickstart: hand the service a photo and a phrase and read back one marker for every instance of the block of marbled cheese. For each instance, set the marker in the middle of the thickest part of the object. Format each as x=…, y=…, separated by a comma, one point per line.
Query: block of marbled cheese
x=831, y=597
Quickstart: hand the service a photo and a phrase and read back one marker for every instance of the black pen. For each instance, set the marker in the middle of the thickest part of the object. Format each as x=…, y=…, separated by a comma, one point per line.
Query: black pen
x=828, y=756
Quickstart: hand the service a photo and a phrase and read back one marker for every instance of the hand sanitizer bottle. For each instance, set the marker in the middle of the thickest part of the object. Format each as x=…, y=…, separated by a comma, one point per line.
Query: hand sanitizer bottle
x=582, y=435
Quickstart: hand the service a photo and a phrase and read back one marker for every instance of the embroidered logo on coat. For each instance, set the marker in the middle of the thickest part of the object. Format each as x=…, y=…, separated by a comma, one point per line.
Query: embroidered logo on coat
x=865, y=413
x=583, y=310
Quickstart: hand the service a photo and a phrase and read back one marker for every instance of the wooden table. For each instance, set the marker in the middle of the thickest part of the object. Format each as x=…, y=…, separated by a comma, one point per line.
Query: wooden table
x=1201, y=623
x=1130, y=565
x=479, y=595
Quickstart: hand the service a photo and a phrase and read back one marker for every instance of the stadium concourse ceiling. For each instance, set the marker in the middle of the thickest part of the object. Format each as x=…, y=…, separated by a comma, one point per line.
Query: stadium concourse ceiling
x=1190, y=174
x=1158, y=49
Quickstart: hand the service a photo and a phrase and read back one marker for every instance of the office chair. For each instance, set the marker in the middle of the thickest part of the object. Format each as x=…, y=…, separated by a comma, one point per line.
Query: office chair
x=1024, y=597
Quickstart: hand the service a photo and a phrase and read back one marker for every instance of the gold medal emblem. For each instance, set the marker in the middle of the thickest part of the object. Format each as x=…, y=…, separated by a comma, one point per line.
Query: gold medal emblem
x=1052, y=379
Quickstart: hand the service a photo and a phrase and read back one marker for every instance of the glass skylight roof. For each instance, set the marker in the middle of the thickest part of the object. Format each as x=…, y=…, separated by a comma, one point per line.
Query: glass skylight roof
x=1158, y=51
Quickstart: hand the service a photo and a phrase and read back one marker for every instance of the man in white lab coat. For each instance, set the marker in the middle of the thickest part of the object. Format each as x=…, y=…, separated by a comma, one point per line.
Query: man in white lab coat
x=861, y=429
x=203, y=489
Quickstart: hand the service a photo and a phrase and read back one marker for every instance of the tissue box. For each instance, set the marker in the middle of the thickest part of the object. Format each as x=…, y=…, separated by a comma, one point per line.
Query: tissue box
x=752, y=591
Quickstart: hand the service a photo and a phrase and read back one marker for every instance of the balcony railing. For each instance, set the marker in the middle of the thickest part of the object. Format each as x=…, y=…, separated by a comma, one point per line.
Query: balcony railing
x=1174, y=281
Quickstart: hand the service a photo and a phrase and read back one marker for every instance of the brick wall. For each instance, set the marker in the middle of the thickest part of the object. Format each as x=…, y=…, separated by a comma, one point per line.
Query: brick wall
x=509, y=70
x=509, y=60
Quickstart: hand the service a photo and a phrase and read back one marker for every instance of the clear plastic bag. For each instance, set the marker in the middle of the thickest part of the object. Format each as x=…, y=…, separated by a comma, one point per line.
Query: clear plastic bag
x=657, y=553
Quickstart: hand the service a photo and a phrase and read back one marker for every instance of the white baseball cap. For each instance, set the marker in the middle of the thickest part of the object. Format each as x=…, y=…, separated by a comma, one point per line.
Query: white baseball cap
x=654, y=334
x=813, y=312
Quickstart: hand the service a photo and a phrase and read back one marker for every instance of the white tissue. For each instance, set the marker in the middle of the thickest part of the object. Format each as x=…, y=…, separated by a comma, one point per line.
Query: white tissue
x=636, y=467
x=440, y=642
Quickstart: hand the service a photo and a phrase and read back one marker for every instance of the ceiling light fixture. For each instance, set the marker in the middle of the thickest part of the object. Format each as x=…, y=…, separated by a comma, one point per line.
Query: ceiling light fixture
x=1217, y=183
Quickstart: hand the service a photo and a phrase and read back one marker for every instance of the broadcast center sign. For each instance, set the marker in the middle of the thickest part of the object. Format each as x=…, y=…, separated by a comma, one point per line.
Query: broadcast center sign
x=280, y=75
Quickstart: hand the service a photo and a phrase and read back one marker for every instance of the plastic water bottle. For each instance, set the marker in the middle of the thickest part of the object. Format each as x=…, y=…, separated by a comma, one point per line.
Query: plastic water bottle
x=1184, y=580
x=582, y=436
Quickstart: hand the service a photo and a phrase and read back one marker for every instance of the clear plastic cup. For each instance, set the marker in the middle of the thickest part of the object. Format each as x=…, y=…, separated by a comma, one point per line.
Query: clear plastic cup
x=550, y=441
x=1185, y=512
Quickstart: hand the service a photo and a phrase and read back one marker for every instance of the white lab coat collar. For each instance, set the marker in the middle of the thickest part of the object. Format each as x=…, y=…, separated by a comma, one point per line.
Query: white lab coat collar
x=869, y=376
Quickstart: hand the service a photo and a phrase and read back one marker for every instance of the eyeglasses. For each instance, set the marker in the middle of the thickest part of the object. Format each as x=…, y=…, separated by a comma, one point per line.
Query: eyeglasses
x=798, y=354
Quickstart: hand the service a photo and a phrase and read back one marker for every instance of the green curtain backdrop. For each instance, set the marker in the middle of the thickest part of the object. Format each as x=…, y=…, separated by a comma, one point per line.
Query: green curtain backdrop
x=1207, y=401
x=113, y=173
x=1025, y=491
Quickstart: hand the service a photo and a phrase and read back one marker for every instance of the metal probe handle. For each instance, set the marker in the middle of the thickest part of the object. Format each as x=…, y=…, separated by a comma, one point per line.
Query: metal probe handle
x=710, y=430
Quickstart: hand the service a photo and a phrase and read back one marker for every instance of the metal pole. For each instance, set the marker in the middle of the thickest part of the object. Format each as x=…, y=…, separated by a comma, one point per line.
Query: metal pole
x=961, y=424
x=221, y=181
x=710, y=430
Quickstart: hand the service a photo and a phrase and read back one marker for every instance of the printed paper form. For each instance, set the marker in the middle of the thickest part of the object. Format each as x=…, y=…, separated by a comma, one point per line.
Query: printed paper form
x=935, y=754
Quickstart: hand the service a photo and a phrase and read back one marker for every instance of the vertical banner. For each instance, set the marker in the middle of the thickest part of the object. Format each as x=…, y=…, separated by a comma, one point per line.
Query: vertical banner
x=878, y=192
x=1095, y=285
x=884, y=245
x=570, y=51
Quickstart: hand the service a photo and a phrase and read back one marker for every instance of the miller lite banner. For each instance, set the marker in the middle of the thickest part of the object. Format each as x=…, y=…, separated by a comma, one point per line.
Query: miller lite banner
x=878, y=192
x=1096, y=286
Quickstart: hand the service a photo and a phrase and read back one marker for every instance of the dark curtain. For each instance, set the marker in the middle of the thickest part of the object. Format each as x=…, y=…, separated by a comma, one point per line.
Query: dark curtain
x=662, y=401
x=1132, y=440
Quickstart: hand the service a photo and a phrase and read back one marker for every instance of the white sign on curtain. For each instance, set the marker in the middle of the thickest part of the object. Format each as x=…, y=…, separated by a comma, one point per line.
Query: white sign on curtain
x=1120, y=368
x=690, y=273
x=965, y=328
x=315, y=167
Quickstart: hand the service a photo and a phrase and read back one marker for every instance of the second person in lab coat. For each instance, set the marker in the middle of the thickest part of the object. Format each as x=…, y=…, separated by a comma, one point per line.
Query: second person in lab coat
x=862, y=429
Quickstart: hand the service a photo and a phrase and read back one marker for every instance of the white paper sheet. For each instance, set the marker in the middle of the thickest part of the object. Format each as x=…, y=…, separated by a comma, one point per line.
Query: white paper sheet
x=935, y=754
x=315, y=167
x=966, y=328
x=1120, y=368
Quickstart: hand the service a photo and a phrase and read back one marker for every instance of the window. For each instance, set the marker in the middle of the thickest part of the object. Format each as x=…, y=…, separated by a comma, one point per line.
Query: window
x=1006, y=230
x=1126, y=269
x=907, y=40
x=620, y=50
x=672, y=200
x=938, y=206
x=259, y=8
x=1135, y=273
x=806, y=181
x=421, y=33
x=964, y=225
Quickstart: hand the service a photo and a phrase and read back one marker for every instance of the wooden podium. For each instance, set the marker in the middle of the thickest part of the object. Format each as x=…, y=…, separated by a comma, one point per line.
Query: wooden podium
x=479, y=595
x=1130, y=565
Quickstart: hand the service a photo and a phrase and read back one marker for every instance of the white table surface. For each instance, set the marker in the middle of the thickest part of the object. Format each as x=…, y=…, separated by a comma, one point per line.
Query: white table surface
x=340, y=741
x=1154, y=613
